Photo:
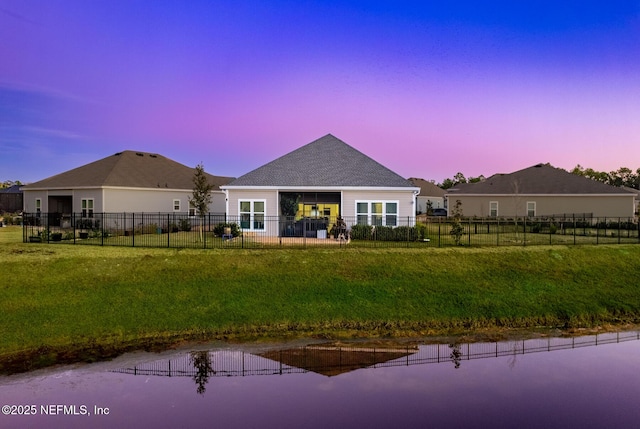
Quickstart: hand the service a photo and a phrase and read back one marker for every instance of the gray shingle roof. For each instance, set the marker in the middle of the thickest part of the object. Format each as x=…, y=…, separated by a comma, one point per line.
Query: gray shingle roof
x=326, y=162
x=540, y=179
x=427, y=188
x=128, y=169
x=13, y=189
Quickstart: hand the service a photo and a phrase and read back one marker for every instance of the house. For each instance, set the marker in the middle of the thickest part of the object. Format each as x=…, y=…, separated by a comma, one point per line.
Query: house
x=636, y=192
x=127, y=181
x=11, y=199
x=311, y=187
x=541, y=190
x=431, y=195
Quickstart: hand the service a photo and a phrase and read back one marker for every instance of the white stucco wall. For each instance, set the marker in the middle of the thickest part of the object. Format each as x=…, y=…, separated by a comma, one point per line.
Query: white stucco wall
x=404, y=198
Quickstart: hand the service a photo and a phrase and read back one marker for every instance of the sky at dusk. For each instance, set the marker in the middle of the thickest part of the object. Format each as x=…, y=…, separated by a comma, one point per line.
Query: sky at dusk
x=426, y=88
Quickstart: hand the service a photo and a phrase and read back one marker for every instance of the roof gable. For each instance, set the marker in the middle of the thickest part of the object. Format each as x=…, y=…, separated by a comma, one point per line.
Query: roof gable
x=540, y=179
x=427, y=188
x=128, y=169
x=325, y=162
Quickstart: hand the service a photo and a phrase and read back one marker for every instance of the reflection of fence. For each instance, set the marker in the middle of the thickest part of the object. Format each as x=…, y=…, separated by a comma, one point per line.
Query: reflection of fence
x=227, y=363
x=257, y=231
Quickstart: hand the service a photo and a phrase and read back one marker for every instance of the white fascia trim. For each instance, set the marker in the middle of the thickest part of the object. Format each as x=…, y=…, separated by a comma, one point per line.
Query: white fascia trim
x=320, y=188
x=63, y=188
x=126, y=188
x=453, y=194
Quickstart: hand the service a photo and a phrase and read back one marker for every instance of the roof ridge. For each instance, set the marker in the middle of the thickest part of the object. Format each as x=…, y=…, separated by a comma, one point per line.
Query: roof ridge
x=326, y=161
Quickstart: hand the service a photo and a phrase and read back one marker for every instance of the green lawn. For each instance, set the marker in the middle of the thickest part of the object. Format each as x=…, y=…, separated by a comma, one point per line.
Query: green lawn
x=63, y=297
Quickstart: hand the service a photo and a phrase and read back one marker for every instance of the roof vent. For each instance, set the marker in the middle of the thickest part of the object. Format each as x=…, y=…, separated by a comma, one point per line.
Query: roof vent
x=153, y=155
x=139, y=154
x=118, y=154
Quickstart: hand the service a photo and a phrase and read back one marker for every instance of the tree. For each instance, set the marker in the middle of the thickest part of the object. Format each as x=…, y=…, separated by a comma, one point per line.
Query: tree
x=447, y=183
x=10, y=183
x=201, y=195
x=204, y=368
x=459, y=178
x=457, y=230
x=622, y=177
x=429, y=208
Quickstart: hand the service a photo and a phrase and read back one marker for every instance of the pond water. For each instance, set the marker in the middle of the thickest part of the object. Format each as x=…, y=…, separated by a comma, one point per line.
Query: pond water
x=582, y=382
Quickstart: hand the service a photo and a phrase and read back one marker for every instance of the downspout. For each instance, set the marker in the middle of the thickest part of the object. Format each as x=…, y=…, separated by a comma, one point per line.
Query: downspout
x=226, y=204
x=415, y=207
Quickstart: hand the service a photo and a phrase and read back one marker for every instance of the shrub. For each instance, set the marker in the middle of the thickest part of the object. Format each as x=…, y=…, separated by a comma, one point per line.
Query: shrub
x=10, y=218
x=383, y=233
x=184, y=224
x=387, y=233
x=88, y=224
x=149, y=228
x=218, y=230
x=361, y=232
x=405, y=233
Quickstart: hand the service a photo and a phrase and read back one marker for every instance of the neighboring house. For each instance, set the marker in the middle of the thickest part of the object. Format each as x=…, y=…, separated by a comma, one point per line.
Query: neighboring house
x=11, y=199
x=316, y=183
x=541, y=190
x=429, y=194
x=636, y=192
x=128, y=181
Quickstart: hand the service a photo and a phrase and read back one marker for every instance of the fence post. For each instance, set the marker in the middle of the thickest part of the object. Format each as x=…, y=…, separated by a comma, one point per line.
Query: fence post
x=73, y=223
x=619, y=232
x=133, y=229
x=497, y=231
x=205, y=221
x=47, y=227
x=469, y=241
x=102, y=234
x=574, y=230
x=408, y=227
x=524, y=231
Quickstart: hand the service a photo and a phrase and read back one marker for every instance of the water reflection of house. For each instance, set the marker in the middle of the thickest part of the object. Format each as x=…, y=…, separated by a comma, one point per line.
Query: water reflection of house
x=333, y=360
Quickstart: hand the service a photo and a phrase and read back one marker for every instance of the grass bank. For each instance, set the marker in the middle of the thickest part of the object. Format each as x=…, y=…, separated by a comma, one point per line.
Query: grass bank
x=62, y=297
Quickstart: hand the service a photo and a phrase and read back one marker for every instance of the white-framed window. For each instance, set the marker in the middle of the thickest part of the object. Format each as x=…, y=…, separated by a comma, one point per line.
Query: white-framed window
x=38, y=207
x=493, y=208
x=378, y=213
x=531, y=208
x=87, y=207
x=176, y=205
x=252, y=214
x=192, y=209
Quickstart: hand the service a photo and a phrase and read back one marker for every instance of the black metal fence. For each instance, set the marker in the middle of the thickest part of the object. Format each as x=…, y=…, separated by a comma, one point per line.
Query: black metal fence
x=331, y=359
x=179, y=230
